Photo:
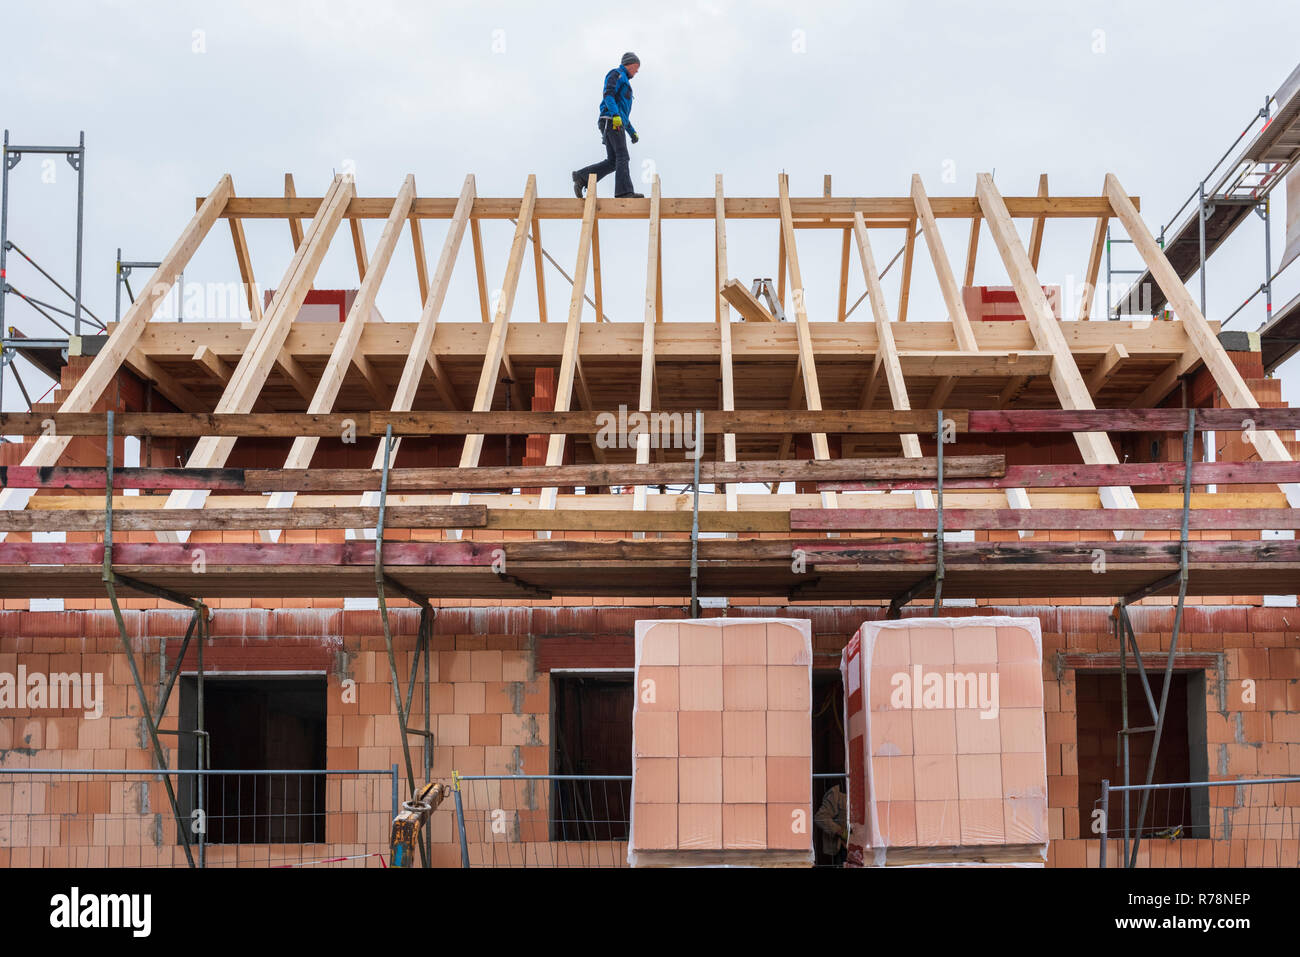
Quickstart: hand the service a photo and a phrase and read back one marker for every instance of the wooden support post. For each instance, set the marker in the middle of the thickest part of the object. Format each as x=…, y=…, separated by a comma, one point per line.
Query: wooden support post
x=295, y=224
x=541, y=276
x=948, y=286
x=1036, y=231
x=1095, y=252
x=904, y=291
x=648, y=321
x=724, y=333
x=480, y=270
x=496, y=347
x=886, y=349
x=245, y=262
x=807, y=362
x=1070, y=388
x=573, y=328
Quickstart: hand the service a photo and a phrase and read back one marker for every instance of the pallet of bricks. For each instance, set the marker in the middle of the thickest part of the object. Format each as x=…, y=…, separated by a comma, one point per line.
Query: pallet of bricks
x=946, y=753
x=722, y=744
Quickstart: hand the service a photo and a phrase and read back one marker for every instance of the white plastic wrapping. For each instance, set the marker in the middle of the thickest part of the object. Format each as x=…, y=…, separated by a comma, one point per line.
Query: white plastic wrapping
x=945, y=742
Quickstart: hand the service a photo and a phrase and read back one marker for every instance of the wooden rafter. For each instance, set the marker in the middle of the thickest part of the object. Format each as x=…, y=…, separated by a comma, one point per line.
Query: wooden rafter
x=1095, y=252
x=573, y=328
x=646, y=390
x=1204, y=341
x=1070, y=388
x=724, y=332
x=245, y=385
x=126, y=334
x=1036, y=231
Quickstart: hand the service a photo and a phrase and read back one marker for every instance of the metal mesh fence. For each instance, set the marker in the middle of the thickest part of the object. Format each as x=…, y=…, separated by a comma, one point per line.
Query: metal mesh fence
x=124, y=818
x=543, y=820
x=1235, y=823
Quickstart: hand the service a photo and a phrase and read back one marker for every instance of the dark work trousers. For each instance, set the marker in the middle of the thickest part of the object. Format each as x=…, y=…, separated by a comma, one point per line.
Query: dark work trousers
x=615, y=161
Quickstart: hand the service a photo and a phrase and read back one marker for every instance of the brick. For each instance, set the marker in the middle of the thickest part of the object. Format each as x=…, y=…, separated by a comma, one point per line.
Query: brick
x=516, y=665
x=1016, y=644
x=744, y=826
x=931, y=647
x=744, y=733
x=658, y=688
x=789, y=734
x=977, y=733
x=699, y=645
x=700, y=780
x=897, y=821
x=470, y=697
x=1023, y=775
x=453, y=730
x=744, y=780
x=699, y=826
x=1022, y=730
x=656, y=734
x=485, y=666
x=937, y=823
x=786, y=646
x=891, y=732
x=454, y=666
x=789, y=688
x=659, y=646
x=934, y=732
x=894, y=778
x=935, y=777
x=982, y=821
x=788, y=827
x=699, y=734
x=701, y=688
x=979, y=776
x=484, y=729
x=1020, y=685
x=789, y=780
x=655, y=781
x=1284, y=662
x=744, y=644
x=654, y=827
x=744, y=688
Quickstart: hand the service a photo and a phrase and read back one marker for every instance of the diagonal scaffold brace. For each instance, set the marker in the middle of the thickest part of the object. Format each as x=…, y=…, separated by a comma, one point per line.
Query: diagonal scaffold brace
x=935, y=578
x=1124, y=633
x=198, y=624
x=383, y=582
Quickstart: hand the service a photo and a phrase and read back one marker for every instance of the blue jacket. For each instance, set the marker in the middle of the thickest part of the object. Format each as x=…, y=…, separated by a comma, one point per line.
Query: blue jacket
x=617, y=100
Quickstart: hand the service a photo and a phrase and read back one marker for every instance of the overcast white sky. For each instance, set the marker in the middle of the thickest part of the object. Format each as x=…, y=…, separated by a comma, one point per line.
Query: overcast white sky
x=173, y=94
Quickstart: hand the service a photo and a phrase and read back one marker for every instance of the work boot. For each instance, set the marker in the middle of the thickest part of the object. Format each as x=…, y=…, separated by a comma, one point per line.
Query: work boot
x=630, y=196
x=579, y=186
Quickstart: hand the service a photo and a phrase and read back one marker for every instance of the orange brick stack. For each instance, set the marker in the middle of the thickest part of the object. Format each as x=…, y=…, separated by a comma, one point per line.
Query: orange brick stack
x=951, y=711
x=722, y=742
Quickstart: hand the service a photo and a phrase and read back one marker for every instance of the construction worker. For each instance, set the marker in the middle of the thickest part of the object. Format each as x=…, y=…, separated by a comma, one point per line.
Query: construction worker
x=615, y=128
x=831, y=820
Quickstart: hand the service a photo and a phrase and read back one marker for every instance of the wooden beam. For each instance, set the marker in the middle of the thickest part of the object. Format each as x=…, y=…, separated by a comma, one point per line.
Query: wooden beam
x=164, y=382
x=359, y=247
x=572, y=330
x=595, y=268
x=830, y=213
x=842, y=312
x=747, y=304
x=345, y=346
x=943, y=271
x=972, y=249
x=245, y=385
x=421, y=351
x=292, y=369
x=1095, y=252
x=1036, y=231
x=220, y=369
x=496, y=348
x=1070, y=387
x=909, y=247
x=807, y=362
x=646, y=390
x=245, y=262
x=480, y=270
x=421, y=263
x=1008, y=519
x=541, y=276
x=1110, y=363
x=886, y=349
x=1203, y=339
x=724, y=333
x=295, y=224
x=125, y=335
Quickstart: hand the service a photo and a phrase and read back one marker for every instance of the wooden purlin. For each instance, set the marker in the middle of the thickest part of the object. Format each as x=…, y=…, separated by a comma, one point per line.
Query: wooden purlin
x=1070, y=388
x=724, y=331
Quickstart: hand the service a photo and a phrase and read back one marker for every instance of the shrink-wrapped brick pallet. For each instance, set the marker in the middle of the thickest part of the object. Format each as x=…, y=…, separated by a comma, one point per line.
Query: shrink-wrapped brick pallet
x=946, y=752
x=722, y=743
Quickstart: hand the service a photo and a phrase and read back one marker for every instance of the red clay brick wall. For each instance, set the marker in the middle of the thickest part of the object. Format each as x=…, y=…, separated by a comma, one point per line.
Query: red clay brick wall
x=490, y=700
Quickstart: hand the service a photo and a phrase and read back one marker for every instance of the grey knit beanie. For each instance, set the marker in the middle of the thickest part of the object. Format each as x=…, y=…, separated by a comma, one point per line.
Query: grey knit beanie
x=630, y=57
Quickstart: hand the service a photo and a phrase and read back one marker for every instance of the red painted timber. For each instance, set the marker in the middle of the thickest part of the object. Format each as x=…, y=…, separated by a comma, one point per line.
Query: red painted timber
x=247, y=553
x=1155, y=519
x=1096, y=476
x=1131, y=420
